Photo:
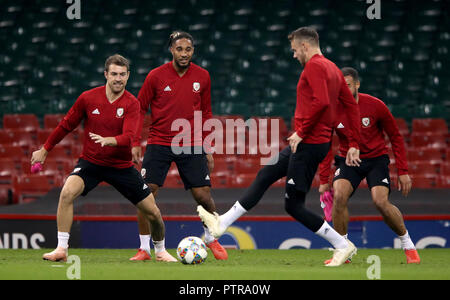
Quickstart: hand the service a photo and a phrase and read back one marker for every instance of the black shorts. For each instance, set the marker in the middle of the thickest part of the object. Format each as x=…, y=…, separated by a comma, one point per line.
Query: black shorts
x=193, y=168
x=127, y=181
x=375, y=170
x=303, y=164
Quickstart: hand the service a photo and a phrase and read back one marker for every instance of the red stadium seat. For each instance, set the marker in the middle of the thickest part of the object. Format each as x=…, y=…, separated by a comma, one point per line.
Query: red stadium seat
x=5, y=196
x=222, y=165
x=247, y=166
x=242, y=180
x=6, y=137
x=429, y=125
x=51, y=121
x=432, y=155
x=7, y=171
x=22, y=138
x=432, y=140
x=445, y=168
x=220, y=180
x=422, y=167
x=27, y=122
x=444, y=181
x=27, y=188
x=15, y=153
x=424, y=181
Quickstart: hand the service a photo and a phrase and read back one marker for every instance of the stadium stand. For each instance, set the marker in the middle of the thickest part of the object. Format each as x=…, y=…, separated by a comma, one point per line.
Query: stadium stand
x=48, y=60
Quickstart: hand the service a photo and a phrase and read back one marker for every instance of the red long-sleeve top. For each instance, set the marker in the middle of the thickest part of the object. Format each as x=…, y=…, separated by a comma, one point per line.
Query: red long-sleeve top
x=117, y=119
x=171, y=97
x=376, y=120
x=320, y=88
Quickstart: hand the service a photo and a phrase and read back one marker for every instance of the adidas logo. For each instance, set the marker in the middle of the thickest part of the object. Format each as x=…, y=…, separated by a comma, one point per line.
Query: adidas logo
x=340, y=126
x=291, y=181
x=207, y=177
x=145, y=187
x=95, y=112
x=167, y=89
x=385, y=181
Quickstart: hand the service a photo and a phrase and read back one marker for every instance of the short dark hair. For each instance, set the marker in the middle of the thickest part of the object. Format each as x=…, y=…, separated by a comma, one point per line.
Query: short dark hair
x=118, y=60
x=348, y=71
x=305, y=33
x=177, y=35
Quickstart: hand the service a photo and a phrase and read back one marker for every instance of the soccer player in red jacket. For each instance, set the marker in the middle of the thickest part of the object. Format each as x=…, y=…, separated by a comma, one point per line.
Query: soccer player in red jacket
x=176, y=90
x=374, y=165
x=320, y=88
x=109, y=113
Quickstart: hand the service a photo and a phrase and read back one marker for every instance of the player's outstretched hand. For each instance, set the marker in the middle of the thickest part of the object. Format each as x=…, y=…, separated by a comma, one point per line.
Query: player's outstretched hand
x=352, y=159
x=103, y=141
x=404, y=184
x=39, y=156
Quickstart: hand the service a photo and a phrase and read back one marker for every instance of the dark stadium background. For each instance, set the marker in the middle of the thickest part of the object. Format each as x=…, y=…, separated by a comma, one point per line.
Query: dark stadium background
x=47, y=60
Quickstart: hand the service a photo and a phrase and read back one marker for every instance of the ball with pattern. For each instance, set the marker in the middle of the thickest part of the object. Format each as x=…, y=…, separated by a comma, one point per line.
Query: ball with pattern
x=192, y=250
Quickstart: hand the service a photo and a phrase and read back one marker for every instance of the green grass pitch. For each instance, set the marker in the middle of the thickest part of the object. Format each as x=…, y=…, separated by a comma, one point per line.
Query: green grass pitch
x=295, y=264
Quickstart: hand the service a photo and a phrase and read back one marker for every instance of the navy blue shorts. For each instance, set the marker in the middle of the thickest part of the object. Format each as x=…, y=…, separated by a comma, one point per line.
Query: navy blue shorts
x=193, y=168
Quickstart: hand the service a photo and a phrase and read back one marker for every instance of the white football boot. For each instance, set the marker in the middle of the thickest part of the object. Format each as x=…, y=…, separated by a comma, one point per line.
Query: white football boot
x=211, y=221
x=340, y=256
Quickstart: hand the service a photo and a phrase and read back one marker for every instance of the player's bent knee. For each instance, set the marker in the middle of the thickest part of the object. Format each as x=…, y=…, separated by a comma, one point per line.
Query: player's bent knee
x=73, y=187
x=340, y=199
x=381, y=202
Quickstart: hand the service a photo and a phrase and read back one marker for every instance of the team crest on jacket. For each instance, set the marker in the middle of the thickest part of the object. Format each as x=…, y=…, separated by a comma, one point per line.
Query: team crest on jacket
x=196, y=87
x=366, y=122
x=119, y=113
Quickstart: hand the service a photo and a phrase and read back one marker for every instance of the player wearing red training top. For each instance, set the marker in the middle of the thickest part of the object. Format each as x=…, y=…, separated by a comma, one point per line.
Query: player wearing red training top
x=320, y=88
x=375, y=120
x=176, y=90
x=109, y=113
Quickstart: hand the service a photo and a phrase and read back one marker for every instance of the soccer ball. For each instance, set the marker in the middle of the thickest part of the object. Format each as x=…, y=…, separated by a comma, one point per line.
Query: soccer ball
x=192, y=250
